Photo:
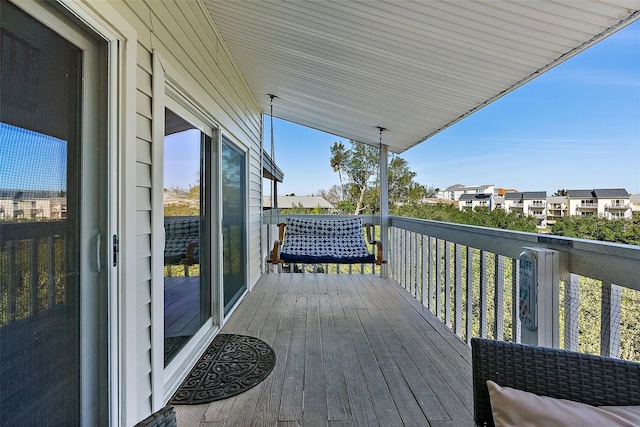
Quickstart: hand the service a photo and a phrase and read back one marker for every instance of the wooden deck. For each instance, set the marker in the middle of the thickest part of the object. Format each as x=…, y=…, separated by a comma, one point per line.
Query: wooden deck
x=181, y=306
x=351, y=350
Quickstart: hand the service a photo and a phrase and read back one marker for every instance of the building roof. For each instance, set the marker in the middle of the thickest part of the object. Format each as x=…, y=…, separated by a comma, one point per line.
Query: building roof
x=269, y=169
x=606, y=193
x=414, y=68
x=526, y=195
x=306, y=202
x=476, y=196
x=603, y=193
x=575, y=194
x=459, y=187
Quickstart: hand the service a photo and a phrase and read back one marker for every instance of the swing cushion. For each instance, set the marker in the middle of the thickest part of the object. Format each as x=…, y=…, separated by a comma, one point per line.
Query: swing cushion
x=318, y=241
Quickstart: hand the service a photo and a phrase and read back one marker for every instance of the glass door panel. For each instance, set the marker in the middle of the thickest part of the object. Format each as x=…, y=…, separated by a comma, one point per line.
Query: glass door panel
x=187, y=289
x=45, y=222
x=234, y=259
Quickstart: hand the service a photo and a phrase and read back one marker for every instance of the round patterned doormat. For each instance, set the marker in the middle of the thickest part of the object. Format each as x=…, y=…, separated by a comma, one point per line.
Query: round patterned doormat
x=231, y=365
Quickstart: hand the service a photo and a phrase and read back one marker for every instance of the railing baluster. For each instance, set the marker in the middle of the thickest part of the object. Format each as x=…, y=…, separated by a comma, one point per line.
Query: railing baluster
x=393, y=256
x=499, y=297
x=405, y=256
x=610, y=326
x=483, y=294
x=414, y=263
x=431, y=274
x=409, y=261
x=457, y=291
x=438, y=278
x=11, y=281
x=425, y=270
x=571, y=311
x=447, y=284
x=469, y=290
x=51, y=273
x=33, y=274
x=515, y=300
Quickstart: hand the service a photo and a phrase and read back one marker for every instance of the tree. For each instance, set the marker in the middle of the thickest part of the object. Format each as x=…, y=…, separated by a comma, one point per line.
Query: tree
x=359, y=164
x=599, y=228
x=339, y=156
x=361, y=191
x=332, y=195
x=561, y=192
x=401, y=184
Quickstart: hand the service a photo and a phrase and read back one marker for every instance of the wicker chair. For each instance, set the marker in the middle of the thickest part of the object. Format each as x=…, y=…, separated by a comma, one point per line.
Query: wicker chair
x=560, y=374
x=165, y=417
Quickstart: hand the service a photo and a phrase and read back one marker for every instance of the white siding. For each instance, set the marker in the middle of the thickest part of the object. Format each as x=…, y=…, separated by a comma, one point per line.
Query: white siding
x=183, y=34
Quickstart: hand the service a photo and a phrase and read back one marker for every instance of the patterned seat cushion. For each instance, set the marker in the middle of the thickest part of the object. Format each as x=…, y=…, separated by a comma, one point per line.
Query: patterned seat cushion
x=180, y=232
x=312, y=241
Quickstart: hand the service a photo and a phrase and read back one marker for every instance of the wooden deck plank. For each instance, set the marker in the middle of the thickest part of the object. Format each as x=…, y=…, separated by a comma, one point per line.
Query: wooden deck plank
x=384, y=408
x=359, y=402
x=293, y=387
x=338, y=408
x=350, y=350
x=314, y=401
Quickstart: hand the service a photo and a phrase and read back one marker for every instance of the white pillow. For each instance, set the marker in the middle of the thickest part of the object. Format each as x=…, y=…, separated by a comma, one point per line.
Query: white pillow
x=512, y=407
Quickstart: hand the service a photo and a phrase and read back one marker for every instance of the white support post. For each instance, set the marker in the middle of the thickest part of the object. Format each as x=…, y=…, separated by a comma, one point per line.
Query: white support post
x=384, y=207
x=546, y=290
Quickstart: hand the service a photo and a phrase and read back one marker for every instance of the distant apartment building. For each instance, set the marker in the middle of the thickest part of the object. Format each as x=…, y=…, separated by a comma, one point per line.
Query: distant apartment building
x=472, y=201
x=634, y=200
x=611, y=203
x=32, y=205
x=557, y=207
x=530, y=203
x=454, y=192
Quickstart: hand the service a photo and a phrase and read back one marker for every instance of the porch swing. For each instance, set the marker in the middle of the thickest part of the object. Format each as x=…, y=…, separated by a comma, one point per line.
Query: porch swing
x=325, y=241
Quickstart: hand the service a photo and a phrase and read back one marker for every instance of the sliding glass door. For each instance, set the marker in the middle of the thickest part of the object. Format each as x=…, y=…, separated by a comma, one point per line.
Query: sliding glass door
x=187, y=220
x=234, y=242
x=53, y=204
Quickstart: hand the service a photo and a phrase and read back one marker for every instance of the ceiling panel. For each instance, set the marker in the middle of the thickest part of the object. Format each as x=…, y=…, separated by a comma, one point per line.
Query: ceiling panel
x=412, y=67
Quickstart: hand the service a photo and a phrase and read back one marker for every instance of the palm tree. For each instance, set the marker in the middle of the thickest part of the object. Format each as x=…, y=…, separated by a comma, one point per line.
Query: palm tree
x=339, y=156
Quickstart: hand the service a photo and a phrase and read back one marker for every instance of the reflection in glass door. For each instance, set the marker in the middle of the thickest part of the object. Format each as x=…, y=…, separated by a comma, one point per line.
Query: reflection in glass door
x=234, y=259
x=187, y=289
x=52, y=202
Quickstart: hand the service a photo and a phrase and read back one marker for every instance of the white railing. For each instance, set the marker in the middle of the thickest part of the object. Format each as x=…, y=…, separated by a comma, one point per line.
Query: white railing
x=617, y=206
x=32, y=262
x=462, y=273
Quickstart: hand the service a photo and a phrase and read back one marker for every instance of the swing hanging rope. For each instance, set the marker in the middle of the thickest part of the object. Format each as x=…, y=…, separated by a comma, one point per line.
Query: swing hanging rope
x=378, y=172
x=273, y=162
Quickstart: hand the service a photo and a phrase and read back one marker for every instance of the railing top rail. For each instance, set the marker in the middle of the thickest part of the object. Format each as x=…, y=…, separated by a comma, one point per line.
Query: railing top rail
x=31, y=230
x=611, y=262
x=267, y=219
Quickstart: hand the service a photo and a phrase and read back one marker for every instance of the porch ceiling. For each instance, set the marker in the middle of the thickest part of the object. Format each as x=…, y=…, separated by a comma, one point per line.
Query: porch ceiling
x=414, y=68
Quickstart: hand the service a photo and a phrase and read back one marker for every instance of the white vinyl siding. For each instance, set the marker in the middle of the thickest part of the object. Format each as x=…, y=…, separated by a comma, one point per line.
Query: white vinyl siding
x=183, y=35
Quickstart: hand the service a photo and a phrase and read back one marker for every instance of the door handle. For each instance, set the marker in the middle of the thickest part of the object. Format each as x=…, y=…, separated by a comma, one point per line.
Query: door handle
x=98, y=244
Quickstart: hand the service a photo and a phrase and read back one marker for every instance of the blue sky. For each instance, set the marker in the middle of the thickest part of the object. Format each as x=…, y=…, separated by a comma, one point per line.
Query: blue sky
x=575, y=127
x=31, y=160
